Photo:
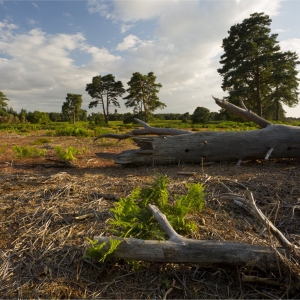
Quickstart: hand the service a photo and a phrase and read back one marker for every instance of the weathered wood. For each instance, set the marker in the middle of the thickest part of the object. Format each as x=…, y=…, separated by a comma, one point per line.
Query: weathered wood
x=194, y=251
x=270, y=226
x=179, y=249
x=216, y=146
x=146, y=130
x=174, y=146
x=242, y=112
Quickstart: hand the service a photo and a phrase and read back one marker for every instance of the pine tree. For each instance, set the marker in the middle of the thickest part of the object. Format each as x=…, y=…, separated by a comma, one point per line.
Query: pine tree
x=143, y=94
x=284, y=88
x=72, y=106
x=106, y=90
x=250, y=62
x=3, y=105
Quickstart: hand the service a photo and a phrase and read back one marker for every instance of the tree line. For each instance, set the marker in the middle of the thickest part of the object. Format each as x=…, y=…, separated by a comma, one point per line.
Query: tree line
x=254, y=69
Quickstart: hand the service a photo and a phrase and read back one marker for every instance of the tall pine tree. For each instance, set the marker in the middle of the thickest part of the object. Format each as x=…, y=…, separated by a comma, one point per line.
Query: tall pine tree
x=252, y=69
x=106, y=90
x=143, y=94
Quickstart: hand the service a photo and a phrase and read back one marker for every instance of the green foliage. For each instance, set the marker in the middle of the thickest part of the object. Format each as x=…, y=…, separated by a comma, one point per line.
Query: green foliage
x=99, y=251
x=256, y=70
x=38, y=117
x=25, y=151
x=3, y=104
x=41, y=141
x=69, y=153
x=97, y=119
x=143, y=94
x=71, y=131
x=106, y=92
x=3, y=148
x=200, y=115
x=71, y=108
x=133, y=218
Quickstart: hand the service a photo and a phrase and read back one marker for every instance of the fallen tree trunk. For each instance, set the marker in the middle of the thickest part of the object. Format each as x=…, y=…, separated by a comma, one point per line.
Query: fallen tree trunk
x=182, y=250
x=176, y=146
x=194, y=251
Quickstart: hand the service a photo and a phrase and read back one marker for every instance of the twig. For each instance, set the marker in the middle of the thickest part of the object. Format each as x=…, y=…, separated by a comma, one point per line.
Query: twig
x=277, y=233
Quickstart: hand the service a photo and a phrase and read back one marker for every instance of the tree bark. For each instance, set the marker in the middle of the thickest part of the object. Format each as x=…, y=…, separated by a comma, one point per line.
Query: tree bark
x=174, y=146
x=182, y=250
x=194, y=251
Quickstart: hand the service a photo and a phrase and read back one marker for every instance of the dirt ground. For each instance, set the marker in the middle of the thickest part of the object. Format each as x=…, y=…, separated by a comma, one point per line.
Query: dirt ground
x=48, y=210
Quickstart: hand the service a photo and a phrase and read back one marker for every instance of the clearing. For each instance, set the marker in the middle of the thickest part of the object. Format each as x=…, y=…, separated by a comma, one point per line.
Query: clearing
x=48, y=212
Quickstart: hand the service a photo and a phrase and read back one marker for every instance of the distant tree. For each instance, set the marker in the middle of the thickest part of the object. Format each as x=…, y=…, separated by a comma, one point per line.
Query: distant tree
x=185, y=118
x=107, y=91
x=253, y=65
x=71, y=107
x=284, y=86
x=38, y=117
x=23, y=115
x=3, y=104
x=200, y=115
x=82, y=115
x=143, y=94
x=55, y=116
x=96, y=118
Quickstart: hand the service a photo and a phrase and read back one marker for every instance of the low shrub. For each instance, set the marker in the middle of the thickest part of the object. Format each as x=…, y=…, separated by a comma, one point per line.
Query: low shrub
x=25, y=151
x=133, y=218
x=68, y=153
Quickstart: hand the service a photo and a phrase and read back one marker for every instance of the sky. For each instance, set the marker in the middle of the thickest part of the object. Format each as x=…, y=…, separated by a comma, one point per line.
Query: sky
x=51, y=48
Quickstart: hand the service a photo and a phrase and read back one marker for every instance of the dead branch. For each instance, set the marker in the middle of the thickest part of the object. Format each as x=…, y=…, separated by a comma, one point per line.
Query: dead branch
x=244, y=113
x=174, y=146
x=182, y=250
x=147, y=130
x=269, y=225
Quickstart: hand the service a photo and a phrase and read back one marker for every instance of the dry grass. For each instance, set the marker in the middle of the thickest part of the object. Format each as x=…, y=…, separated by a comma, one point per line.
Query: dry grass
x=46, y=214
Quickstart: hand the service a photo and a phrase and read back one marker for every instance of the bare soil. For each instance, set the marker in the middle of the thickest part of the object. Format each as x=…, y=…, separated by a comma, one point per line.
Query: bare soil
x=48, y=210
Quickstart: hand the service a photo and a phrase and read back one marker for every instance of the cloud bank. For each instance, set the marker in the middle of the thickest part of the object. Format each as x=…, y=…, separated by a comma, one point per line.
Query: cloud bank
x=39, y=69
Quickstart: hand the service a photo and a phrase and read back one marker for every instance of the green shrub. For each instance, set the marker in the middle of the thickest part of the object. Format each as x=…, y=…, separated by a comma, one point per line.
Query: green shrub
x=41, y=141
x=69, y=153
x=133, y=218
x=71, y=131
x=25, y=151
x=2, y=149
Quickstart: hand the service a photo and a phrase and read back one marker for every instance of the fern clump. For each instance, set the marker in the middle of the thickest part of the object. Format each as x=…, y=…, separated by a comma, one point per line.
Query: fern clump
x=132, y=216
x=25, y=151
x=99, y=252
x=69, y=153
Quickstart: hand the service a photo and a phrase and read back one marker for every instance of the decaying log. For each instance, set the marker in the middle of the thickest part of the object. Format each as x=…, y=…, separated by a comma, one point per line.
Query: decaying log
x=147, y=130
x=182, y=250
x=174, y=146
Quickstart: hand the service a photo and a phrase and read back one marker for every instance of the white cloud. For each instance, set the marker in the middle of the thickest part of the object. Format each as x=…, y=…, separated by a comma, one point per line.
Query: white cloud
x=183, y=54
x=67, y=14
x=280, y=30
x=35, y=5
x=125, y=27
x=99, y=6
x=290, y=45
x=129, y=41
x=40, y=71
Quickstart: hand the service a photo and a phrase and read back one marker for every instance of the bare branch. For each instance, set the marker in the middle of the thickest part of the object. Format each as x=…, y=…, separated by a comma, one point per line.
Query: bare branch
x=147, y=130
x=164, y=223
x=245, y=113
x=277, y=233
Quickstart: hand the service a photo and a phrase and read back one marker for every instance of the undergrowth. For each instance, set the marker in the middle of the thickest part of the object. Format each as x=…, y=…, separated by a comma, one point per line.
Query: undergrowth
x=132, y=217
x=68, y=153
x=25, y=151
